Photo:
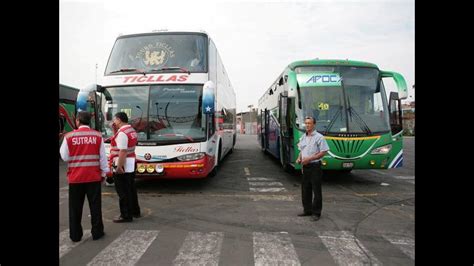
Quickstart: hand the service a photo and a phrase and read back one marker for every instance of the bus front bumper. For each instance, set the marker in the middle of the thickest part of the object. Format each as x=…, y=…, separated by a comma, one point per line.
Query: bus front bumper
x=369, y=162
x=175, y=170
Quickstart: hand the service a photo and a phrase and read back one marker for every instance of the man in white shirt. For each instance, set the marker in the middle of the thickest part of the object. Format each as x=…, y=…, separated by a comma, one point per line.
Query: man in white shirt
x=313, y=147
x=122, y=154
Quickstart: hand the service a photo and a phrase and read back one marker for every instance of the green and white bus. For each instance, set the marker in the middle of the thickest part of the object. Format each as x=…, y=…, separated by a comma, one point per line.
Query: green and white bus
x=348, y=100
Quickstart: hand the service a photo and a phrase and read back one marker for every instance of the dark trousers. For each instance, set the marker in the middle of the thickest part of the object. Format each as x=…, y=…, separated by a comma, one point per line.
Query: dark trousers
x=77, y=193
x=128, y=197
x=312, y=176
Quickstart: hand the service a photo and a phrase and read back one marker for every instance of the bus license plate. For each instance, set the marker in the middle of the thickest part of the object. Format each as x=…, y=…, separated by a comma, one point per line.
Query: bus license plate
x=347, y=165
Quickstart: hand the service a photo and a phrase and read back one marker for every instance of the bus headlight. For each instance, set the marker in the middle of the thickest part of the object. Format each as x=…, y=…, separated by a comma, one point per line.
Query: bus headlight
x=191, y=157
x=150, y=168
x=141, y=168
x=382, y=150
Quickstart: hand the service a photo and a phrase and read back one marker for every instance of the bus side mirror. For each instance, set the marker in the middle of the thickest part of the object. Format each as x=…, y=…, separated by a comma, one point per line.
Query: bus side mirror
x=208, y=97
x=394, y=96
x=399, y=80
x=100, y=88
x=395, y=113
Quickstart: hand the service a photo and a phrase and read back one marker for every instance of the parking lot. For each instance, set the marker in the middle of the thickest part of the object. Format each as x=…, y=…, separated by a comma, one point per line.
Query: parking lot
x=247, y=215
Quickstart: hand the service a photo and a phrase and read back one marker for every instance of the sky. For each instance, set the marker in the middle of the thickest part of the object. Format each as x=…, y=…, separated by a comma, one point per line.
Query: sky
x=255, y=39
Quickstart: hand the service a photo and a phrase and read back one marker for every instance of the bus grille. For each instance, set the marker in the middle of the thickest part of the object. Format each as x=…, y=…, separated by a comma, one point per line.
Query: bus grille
x=347, y=147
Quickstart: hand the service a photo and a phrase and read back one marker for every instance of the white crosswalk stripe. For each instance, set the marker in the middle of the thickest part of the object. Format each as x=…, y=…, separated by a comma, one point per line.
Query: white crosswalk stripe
x=200, y=249
x=405, y=244
x=265, y=185
x=269, y=184
x=127, y=249
x=269, y=248
x=274, y=249
x=346, y=249
x=260, y=179
x=267, y=189
x=65, y=243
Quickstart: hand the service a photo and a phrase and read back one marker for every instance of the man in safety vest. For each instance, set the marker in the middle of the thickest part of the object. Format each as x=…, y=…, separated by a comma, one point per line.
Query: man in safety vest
x=84, y=151
x=122, y=156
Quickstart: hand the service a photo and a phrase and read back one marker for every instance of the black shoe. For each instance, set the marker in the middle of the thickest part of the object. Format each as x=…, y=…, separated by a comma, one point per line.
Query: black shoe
x=76, y=240
x=315, y=217
x=99, y=236
x=305, y=214
x=122, y=220
x=137, y=215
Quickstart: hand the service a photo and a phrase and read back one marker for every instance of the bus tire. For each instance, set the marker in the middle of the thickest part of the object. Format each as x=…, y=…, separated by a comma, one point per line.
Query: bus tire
x=287, y=168
x=233, y=144
x=213, y=172
x=219, y=154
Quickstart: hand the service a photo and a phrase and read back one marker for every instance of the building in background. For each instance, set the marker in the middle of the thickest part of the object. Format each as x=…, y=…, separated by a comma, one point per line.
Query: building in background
x=247, y=121
x=408, y=115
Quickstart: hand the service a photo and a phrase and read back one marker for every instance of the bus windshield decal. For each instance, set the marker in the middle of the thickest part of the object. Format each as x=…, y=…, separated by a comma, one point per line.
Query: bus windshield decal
x=319, y=79
x=155, y=54
x=154, y=78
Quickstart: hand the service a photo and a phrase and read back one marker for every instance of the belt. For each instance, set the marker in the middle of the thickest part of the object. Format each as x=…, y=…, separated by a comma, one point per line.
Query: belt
x=313, y=164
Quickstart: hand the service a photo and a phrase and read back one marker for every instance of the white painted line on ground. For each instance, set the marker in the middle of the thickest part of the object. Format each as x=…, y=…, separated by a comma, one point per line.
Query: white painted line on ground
x=272, y=197
x=274, y=249
x=260, y=179
x=381, y=172
x=270, y=184
x=127, y=249
x=405, y=244
x=267, y=189
x=200, y=249
x=66, y=244
x=410, y=179
x=63, y=195
x=285, y=219
x=345, y=250
x=405, y=177
x=247, y=171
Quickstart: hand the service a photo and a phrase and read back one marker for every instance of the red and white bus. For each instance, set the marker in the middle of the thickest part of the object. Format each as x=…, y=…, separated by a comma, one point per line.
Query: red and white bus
x=175, y=90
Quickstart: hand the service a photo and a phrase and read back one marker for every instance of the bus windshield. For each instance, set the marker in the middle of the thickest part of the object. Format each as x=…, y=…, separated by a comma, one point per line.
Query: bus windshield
x=358, y=105
x=158, y=51
x=163, y=114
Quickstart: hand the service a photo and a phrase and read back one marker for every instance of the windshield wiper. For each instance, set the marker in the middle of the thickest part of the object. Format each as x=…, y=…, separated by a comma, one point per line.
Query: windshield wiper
x=141, y=71
x=358, y=119
x=333, y=120
x=182, y=69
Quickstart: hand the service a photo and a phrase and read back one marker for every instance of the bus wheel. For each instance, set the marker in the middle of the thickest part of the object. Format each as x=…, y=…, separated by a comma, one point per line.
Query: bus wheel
x=287, y=168
x=213, y=172
x=233, y=144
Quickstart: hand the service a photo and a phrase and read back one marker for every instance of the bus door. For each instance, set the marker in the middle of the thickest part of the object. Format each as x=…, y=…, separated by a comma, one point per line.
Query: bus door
x=284, y=129
x=266, y=128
